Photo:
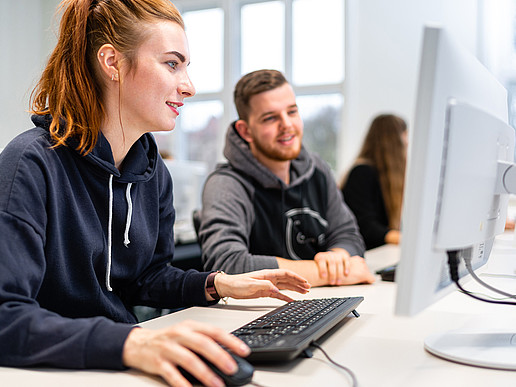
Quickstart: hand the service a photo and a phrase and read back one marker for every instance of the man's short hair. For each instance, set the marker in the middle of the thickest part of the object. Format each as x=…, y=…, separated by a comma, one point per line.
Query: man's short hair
x=254, y=83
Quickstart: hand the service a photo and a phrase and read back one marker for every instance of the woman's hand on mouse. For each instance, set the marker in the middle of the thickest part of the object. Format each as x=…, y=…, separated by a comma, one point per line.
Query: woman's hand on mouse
x=261, y=283
x=161, y=352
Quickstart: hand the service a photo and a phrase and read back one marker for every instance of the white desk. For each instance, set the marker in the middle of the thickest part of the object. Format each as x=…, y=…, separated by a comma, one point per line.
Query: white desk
x=382, y=349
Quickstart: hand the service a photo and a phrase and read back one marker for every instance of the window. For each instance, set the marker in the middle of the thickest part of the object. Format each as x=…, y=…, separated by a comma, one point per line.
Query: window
x=317, y=42
x=500, y=48
x=228, y=38
x=509, y=67
x=321, y=115
x=263, y=36
x=207, y=48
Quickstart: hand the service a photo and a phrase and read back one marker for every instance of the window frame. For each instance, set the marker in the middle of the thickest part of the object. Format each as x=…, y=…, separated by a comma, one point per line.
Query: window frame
x=232, y=59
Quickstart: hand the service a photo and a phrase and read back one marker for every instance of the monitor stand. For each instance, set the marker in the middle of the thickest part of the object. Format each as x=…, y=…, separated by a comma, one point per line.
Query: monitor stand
x=482, y=347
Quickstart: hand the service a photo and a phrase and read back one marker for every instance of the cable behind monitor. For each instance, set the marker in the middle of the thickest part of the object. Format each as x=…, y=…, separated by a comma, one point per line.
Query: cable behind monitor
x=453, y=266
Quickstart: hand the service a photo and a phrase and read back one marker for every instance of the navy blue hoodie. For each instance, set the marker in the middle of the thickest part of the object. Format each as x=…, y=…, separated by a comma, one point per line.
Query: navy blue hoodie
x=73, y=227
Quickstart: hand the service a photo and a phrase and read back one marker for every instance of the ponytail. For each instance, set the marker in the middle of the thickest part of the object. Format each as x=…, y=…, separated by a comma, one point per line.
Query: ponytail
x=71, y=88
x=66, y=90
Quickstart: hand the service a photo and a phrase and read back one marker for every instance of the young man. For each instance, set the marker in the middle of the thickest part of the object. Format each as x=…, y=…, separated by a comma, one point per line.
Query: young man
x=274, y=204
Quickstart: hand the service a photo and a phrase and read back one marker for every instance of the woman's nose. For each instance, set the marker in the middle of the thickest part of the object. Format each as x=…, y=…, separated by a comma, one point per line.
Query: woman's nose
x=186, y=87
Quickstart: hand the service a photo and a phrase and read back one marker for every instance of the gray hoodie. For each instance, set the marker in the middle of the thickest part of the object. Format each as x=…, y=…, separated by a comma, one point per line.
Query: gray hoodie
x=250, y=216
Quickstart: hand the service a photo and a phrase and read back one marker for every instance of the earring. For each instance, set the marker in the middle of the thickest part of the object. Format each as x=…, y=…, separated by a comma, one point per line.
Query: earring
x=114, y=77
x=101, y=54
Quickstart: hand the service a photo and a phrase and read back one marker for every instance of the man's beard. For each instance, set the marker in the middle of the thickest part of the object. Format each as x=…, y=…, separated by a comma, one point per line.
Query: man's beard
x=277, y=154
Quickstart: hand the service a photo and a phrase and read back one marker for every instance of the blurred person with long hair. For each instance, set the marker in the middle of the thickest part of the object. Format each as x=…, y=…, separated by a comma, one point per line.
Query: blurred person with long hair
x=373, y=188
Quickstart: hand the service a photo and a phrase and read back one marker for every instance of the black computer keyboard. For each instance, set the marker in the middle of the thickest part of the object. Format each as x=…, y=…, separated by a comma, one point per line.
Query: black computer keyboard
x=288, y=330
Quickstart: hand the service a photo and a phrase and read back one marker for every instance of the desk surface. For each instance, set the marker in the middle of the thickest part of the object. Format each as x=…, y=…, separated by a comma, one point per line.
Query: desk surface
x=382, y=349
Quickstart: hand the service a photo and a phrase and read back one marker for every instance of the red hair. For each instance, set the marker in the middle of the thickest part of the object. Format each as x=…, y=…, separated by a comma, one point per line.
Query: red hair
x=71, y=87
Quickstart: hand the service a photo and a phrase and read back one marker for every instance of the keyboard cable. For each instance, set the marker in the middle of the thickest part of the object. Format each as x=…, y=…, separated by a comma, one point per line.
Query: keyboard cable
x=348, y=371
x=308, y=353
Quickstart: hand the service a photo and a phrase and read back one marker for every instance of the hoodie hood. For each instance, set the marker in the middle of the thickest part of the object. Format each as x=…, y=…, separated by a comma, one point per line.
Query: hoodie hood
x=239, y=156
x=139, y=164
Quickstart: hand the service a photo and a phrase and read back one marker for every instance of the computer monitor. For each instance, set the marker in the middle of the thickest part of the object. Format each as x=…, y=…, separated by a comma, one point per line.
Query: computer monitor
x=459, y=175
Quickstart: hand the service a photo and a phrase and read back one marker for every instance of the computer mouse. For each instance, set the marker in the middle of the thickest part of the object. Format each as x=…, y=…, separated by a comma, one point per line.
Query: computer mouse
x=388, y=273
x=243, y=376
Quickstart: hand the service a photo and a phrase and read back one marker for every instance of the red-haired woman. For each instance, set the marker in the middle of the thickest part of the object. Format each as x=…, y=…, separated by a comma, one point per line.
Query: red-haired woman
x=86, y=214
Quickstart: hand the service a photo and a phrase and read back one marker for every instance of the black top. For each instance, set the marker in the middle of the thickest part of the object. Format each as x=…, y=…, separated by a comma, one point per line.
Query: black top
x=363, y=195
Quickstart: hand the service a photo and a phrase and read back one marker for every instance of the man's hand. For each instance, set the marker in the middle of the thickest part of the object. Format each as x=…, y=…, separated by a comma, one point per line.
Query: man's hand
x=359, y=272
x=339, y=268
x=160, y=352
x=260, y=283
x=334, y=267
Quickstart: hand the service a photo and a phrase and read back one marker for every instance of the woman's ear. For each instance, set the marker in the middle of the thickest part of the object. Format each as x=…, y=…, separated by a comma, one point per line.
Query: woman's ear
x=109, y=58
x=243, y=130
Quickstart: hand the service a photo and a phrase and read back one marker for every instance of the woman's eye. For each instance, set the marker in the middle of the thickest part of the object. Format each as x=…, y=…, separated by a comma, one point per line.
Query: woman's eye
x=172, y=64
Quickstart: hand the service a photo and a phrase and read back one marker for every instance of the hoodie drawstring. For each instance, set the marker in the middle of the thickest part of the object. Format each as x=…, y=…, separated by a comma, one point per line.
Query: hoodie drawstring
x=110, y=227
x=129, y=214
x=110, y=221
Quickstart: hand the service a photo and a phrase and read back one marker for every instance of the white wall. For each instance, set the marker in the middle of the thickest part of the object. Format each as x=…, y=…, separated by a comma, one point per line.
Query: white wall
x=383, y=47
x=26, y=40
